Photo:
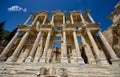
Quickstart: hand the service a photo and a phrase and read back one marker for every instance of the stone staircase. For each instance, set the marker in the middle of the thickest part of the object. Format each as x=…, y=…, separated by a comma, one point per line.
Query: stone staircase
x=88, y=72
x=60, y=70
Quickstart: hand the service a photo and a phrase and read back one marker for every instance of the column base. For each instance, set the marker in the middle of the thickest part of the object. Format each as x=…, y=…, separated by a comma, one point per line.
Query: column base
x=43, y=59
x=64, y=60
x=92, y=62
x=102, y=61
x=12, y=59
x=20, y=60
x=29, y=59
x=115, y=61
x=80, y=60
x=72, y=60
x=36, y=59
x=3, y=57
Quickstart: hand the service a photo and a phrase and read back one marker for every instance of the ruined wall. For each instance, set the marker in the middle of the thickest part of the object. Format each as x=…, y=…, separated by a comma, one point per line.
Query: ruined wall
x=112, y=35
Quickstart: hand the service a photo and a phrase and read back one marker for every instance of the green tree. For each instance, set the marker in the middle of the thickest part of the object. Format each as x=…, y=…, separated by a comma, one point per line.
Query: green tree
x=1, y=29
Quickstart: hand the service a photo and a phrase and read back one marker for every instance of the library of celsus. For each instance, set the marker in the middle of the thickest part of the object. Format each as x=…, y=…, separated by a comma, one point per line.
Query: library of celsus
x=59, y=46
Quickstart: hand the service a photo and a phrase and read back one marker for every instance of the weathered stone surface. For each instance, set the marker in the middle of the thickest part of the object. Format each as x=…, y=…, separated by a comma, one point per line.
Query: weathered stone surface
x=112, y=34
x=37, y=55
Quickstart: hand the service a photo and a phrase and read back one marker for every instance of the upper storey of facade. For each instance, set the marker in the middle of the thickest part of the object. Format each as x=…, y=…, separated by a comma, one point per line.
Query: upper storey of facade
x=75, y=21
x=115, y=16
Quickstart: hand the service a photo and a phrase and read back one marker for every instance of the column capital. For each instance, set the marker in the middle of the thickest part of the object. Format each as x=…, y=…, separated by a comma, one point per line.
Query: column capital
x=88, y=11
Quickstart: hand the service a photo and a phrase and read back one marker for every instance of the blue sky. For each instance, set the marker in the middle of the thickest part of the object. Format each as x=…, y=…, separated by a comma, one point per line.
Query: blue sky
x=100, y=9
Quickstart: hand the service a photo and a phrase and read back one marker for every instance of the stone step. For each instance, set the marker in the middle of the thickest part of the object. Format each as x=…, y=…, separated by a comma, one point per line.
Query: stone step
x=89, y=76
x=89, y=73
x=74, y=70
x=28, y=72
x=18, y=75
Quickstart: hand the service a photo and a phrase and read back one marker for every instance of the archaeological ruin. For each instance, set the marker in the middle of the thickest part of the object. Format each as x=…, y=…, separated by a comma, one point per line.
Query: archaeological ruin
x=59, y=46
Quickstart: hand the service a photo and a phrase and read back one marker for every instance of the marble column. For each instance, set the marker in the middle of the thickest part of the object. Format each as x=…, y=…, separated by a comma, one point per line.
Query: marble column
x=52, y=21
x=73, y=58
x=27, y=20
x=107, y=45
x=10, y=44
x=48, y=55
x=63, y=19
x=43, y=58
x=38, y=53
x=44, y=20
x=88, y=51
x=35, y=45
x=64, y=43
x=37, y=25
x=18, y=49
x=99, y=58
x=53, y=58
x=24, y=54
x=3, y=55
x=34, y=21
x=82, y=18
x=78, y=52
x=91, y=19
x=71, y=17
x=64, y=51
x=102, y=54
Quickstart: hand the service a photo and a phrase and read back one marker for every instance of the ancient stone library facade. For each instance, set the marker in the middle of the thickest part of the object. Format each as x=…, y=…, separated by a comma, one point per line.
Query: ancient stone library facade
x=59, y=46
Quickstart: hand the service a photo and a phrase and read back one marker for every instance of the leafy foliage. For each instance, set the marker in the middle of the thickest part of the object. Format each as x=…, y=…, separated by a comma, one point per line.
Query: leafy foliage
x=4, y=34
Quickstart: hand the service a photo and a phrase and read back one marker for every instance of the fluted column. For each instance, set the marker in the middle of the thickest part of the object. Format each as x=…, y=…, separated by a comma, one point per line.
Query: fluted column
x=88, y=51
x=43, y=58
x=108, y=47
x=91, y=19
x=71, y=17
x=27, y=20
x=18, y=49
x=99, y=58
x=64, y=51
x=63, y=19
x=3, y=55
x=78, y=52
x=35, y=45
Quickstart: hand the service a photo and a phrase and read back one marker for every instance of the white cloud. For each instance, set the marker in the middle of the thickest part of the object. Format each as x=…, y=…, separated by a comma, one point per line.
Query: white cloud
x=17, y=9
